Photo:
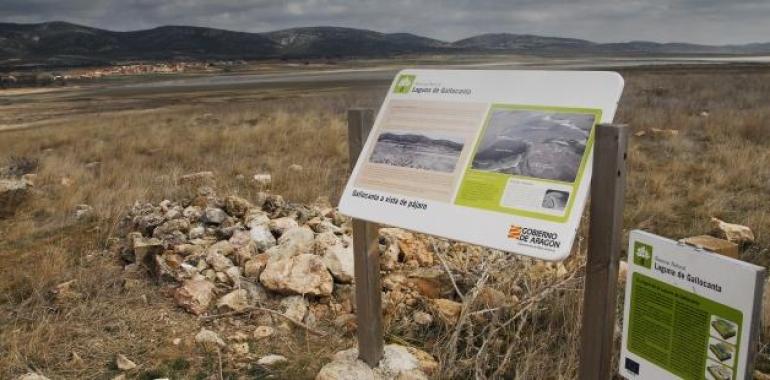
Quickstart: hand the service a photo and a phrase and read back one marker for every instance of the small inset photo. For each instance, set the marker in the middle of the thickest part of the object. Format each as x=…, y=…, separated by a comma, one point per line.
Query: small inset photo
x=721, y=352
x=724, y=329
x=555, y=199
x=716, y=371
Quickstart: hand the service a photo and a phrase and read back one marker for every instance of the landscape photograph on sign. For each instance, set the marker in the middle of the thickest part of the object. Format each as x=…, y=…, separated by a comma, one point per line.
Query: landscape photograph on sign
x=426, y=150
x=533, y=143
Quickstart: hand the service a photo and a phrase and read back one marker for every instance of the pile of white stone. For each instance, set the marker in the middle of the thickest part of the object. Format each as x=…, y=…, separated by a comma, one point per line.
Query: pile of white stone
x=228, y=254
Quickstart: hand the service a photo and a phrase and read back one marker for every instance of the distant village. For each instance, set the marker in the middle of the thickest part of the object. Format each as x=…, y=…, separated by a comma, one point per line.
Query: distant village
x=42, y=78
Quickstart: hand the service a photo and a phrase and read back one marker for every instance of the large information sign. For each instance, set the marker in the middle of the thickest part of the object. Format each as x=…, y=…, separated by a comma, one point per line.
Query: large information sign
x=689, y=314
x=495, y=158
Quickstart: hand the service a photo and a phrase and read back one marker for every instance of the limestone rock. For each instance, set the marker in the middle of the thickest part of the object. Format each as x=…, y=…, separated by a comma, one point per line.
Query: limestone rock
x=448, y=310
x=254, y=267
x=422, y=318
x=414, y=250
x=398, y=362
x=710, y=243
x=172, y=232
x=271, y=360
x=214, y=215
x=193, y=213
x=234, y=275
x=240, y=349
x=185, y=250
x=237, y=300
x=281, y=225
x=622, y=271
x=145, y=251
x=83, y=212
x=65, y=292
x=261, y=235
x=417, y=250
x=262, y=332
x=209, y=338
x=301, y=274
x=222, y=247
x=257, y=292
x=123, y=363
x=735, y=233
x=32, y=376
x=324, y=241
x=237, y=206
x=431, y=282
x=339, y=260
x=255, y=217
x=299, y=236
x=245, y=248
x=345, y=370
x=12, y=194
x=195, y=295
x=218, y=261
x=295, y=307
x=389, y=257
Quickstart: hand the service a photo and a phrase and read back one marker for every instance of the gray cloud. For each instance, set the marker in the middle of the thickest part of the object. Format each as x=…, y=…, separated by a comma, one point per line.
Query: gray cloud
x=700, y=21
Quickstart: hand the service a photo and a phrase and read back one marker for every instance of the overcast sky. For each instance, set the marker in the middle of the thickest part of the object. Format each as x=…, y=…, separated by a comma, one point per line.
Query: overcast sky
x=700, y=21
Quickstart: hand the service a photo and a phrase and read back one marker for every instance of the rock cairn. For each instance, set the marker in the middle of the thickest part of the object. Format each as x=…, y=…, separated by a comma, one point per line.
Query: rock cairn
x=230, y=254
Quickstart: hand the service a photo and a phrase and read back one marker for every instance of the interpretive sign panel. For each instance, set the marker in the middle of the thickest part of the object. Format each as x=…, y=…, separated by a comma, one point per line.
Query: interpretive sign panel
x=689, y=313
x=495, y=158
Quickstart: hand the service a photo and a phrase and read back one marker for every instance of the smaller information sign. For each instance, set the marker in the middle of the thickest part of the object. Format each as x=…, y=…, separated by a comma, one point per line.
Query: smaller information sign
x=689, y=313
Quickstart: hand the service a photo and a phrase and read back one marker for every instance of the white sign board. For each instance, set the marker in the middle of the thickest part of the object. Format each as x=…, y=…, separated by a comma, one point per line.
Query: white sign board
x=689, y=313
x=495, y=158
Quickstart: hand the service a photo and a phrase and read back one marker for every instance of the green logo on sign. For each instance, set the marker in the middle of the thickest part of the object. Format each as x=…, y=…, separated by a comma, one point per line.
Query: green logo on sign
x=642, y=255
x=404, y=84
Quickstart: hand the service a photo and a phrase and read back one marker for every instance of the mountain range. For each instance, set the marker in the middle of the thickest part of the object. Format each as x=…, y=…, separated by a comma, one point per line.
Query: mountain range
x=66, y=44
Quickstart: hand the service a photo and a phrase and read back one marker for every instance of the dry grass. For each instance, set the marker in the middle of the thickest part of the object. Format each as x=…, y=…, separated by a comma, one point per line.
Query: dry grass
x=718, y=165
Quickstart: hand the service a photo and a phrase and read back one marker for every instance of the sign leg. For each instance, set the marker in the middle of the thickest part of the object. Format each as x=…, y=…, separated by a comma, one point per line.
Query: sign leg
x=605, y=228
x=367, y=256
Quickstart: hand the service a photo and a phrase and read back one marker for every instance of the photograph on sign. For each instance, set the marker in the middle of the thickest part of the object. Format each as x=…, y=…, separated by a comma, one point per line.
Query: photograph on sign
x=683, y=319
x=473, y=155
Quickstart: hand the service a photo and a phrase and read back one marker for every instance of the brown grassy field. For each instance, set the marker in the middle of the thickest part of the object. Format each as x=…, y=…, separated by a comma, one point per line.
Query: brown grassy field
x=717, y=165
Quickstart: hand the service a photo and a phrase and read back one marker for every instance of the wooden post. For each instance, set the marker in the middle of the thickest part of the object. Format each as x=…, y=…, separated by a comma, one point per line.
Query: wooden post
x=366, y=256
x=604, y=241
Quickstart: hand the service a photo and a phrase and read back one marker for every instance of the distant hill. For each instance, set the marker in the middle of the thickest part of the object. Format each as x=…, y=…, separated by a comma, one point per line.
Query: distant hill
x=66, y=44
x=523, y=42
x=347, y=42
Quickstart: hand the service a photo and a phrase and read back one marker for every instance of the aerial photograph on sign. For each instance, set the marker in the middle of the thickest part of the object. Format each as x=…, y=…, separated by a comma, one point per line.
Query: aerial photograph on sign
x=532, y=143
x=427, y=150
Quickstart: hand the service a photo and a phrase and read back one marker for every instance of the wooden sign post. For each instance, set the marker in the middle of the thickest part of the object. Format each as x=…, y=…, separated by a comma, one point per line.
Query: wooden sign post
x=604, y=242
x=366, y=256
